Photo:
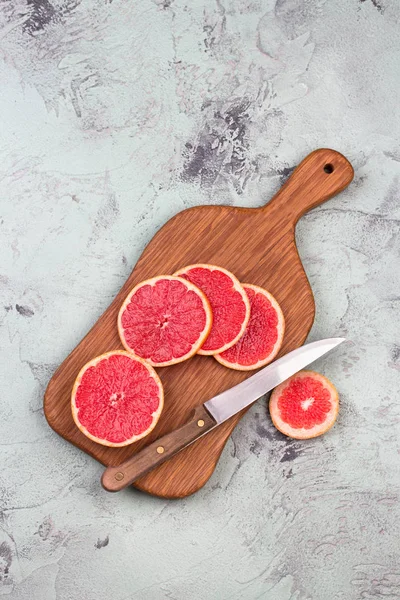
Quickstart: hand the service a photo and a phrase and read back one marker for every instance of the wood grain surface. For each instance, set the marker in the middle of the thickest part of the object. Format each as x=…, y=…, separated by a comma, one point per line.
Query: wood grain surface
x=258, y=246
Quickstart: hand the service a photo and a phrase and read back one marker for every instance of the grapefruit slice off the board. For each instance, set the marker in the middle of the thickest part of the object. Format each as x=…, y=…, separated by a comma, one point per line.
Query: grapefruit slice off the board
x=164, y=320
x=263, y=336
x=117, y=399
x=229, y=303
x=304, y=406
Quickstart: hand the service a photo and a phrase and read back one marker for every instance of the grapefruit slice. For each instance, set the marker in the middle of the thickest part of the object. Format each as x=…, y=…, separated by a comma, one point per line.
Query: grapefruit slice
x=117, y=399
x=263, y=337
x=304, y=406
x=229, y=303
x=164, y=320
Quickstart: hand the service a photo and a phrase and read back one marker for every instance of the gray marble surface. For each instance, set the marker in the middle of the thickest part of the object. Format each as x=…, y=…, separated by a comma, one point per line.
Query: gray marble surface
x=115, y=115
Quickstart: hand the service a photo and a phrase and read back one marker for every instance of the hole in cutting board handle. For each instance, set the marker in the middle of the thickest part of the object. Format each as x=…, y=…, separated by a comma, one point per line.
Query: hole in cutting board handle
x=329, y=168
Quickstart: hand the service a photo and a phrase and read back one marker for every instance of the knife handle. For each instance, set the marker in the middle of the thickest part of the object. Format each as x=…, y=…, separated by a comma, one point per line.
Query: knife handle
x=119, y=477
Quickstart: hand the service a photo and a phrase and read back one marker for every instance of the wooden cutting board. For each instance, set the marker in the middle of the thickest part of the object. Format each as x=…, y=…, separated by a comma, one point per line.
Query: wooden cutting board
x=258, y=246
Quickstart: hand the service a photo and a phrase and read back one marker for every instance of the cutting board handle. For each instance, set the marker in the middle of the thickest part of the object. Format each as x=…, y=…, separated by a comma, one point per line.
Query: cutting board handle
x=321, y=175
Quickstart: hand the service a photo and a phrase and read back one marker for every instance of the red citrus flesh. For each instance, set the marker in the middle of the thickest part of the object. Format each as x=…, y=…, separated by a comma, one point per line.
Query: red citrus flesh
x=229, y=303
x=263, y=336
x=164, y=320
x=304, y=406
x=117, y=399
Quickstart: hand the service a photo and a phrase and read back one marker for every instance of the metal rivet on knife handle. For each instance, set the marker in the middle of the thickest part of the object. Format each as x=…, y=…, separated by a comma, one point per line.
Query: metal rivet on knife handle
x=119, y=476
x=160, y=449
x=200, y=423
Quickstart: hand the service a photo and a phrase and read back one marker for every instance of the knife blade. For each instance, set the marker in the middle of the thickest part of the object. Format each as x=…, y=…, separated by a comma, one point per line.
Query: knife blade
x=215, y=411
x=232, y=401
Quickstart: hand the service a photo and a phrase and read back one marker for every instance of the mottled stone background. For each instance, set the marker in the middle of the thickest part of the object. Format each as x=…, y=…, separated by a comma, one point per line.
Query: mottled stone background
x=114, y=116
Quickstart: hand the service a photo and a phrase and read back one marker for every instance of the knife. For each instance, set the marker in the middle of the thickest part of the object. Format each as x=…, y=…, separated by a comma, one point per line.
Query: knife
x=212, y=413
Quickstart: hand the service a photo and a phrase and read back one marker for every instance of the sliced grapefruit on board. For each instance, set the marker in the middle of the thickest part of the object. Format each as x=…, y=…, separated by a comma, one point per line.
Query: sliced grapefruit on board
x=164, y=320
x=263, y=336
x=229, y=303
x=117, y=399
x=304, y=406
